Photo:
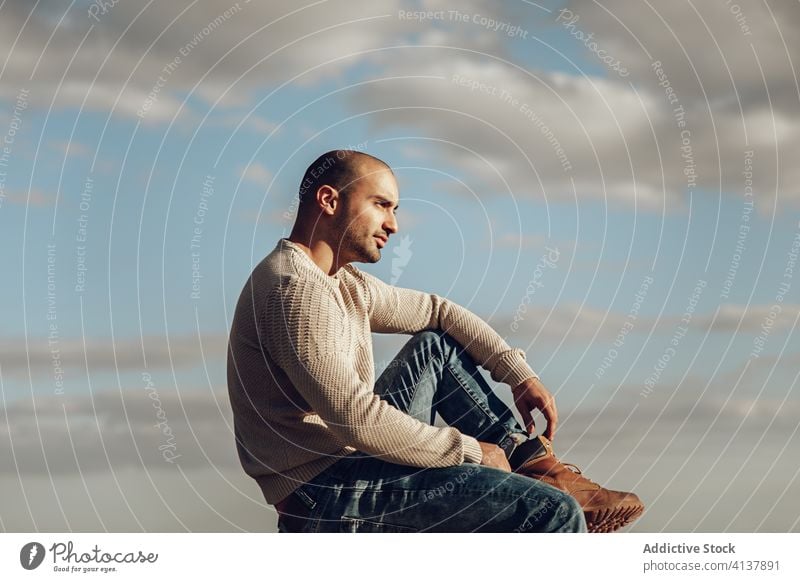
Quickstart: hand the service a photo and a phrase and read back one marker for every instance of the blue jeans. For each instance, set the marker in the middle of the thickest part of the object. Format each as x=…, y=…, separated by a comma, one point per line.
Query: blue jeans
x=359, y=493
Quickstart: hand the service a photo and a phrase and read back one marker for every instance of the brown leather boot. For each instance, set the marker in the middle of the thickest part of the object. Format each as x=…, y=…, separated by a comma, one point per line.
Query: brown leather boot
x=605, y=510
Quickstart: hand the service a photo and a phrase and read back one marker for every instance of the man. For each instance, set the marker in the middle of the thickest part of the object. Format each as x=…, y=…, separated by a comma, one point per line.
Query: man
x=333, y=449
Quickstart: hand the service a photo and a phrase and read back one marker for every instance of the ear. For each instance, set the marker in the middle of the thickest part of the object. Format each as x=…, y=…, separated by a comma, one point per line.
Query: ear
x=327, y=199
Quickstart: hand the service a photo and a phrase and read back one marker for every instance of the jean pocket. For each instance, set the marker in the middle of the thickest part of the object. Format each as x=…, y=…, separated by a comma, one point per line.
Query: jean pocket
x=350, y=524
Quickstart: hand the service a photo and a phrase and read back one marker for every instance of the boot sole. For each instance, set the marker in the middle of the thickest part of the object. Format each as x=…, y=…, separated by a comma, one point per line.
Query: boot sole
x=611, y=519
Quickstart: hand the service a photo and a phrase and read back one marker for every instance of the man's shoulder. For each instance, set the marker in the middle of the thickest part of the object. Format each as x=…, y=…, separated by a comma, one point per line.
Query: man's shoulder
x=277, y=272
x=280, y=268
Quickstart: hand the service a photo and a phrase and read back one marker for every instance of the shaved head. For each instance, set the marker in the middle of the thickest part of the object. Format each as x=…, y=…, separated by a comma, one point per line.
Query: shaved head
x=339, y=169
x=348, y=202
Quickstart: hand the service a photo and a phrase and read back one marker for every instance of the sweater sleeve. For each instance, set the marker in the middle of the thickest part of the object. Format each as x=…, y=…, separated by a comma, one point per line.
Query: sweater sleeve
x=304, y=330
x=398, y=310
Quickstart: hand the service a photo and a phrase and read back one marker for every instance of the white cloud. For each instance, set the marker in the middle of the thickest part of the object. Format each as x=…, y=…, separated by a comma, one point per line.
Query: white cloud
x=520, y=241
x=750, y=318
x=538, y=132
x=703, y=48
x=123, y=425
x=686, y=450
x=257, y=174
x=573, y=322
x=620, y=136
x=123, y=354
x=568, y=321
x=254, y=123
x=33, y=199
x=733, y=73
x=228, y=49
x=620, y=141
x=70, y=148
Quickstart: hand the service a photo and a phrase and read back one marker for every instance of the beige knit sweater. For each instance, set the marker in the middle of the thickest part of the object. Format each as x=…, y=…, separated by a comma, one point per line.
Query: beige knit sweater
x=301, y=373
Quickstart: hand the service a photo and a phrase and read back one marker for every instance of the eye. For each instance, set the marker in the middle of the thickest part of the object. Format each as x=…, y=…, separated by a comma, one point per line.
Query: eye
x=387, y=205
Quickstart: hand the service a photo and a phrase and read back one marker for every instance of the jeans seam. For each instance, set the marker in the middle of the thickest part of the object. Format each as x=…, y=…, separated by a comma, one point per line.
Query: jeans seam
x=509, y=430
x=314, y=518
x=481, y=492
x=481, y=405
x=415, y=385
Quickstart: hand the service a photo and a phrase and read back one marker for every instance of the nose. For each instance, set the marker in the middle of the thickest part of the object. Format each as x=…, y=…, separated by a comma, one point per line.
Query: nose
x=390, y=224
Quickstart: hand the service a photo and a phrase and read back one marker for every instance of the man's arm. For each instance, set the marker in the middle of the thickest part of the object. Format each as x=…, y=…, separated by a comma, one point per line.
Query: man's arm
x=302, y=329
x=399, y=310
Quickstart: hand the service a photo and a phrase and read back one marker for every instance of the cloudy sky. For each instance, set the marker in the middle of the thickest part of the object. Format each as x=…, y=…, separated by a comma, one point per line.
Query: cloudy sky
x=611, y=184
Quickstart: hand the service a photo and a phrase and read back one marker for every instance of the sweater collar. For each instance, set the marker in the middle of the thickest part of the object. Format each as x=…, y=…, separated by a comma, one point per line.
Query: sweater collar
x=333, y=279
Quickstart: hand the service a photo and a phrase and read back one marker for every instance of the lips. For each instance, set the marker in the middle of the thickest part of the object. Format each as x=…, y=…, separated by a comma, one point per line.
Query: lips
x=381, y=241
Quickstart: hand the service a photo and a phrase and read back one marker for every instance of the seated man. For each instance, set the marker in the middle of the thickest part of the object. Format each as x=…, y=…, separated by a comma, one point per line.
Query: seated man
x=333, y=449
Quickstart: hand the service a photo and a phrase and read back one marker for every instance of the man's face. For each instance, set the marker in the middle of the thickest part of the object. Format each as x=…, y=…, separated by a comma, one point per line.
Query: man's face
x=369, y=216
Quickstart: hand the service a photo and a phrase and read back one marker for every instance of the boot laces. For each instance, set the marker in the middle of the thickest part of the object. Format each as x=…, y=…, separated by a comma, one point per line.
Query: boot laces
x=572, y=467
x=575, y=469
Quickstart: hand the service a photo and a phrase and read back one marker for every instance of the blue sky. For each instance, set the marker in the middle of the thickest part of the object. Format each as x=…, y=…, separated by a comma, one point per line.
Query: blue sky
x=141, y=214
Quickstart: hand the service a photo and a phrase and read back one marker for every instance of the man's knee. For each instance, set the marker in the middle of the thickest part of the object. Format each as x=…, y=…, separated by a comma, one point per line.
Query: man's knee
x=560, y=512
x=571, y=514
x=437, y=341
x=426, y=336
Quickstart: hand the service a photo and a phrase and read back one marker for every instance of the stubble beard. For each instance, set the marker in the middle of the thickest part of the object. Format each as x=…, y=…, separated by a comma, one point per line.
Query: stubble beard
x=360, y=245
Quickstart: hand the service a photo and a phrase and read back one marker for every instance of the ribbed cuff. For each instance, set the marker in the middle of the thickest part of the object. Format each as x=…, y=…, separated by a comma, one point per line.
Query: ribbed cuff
x=472, y=450
x=515, y=370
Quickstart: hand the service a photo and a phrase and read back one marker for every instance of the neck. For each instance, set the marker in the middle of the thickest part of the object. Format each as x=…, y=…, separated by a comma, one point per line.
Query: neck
x=318, y=249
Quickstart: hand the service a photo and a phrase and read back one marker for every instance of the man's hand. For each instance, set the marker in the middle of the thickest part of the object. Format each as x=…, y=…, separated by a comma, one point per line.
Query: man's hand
x=493, y=456
x=532, y=394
